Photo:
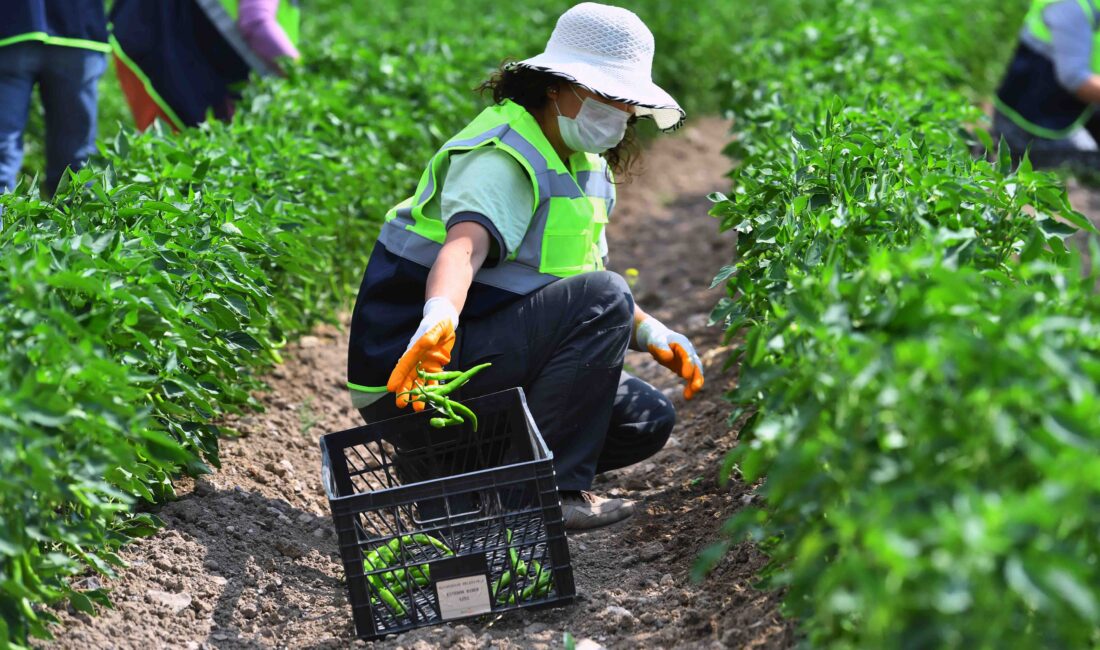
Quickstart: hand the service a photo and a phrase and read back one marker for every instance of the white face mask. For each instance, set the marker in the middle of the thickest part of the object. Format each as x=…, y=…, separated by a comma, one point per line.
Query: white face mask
x=596, y=128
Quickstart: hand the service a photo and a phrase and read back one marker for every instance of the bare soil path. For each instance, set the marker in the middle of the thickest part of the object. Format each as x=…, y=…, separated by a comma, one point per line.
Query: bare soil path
x=247, y=558
x=1085, y=198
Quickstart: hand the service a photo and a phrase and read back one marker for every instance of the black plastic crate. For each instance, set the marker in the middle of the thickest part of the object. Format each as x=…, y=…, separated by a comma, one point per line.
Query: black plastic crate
x=479, y=511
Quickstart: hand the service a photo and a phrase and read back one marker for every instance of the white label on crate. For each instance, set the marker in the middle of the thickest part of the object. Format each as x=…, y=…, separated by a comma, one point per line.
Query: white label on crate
x=461, y=597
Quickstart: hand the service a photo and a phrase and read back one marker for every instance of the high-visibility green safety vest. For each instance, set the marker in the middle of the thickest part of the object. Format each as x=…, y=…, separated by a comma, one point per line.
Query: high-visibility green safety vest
x=569, y=211
x=1041, y=31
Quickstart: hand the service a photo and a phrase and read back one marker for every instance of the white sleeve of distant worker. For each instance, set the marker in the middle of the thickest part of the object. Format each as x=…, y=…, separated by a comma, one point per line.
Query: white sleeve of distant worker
x=1071, y=31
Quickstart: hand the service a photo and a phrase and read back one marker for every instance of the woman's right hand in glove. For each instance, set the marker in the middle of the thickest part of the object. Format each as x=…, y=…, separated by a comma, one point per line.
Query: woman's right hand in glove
x=429, y=350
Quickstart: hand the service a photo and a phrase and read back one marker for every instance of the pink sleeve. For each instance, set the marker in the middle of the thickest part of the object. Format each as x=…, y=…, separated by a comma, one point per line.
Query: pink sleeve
x=256, y=19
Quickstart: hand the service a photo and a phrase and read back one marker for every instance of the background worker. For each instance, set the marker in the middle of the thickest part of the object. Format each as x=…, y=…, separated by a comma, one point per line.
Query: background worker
x=1049, y=94
x=499, y=256
x=57, y=45
x=178, y=60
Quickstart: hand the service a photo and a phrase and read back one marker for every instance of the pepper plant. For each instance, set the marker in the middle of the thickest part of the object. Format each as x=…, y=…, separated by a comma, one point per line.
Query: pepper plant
x=921, y=352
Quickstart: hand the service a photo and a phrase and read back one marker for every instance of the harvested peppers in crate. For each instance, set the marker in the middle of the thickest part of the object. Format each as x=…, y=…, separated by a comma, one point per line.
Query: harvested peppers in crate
x=437, y=524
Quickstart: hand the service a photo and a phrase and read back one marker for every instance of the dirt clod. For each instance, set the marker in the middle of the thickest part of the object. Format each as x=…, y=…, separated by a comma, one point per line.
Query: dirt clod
x=176, y=603
x=651, y=551
x=619, y=617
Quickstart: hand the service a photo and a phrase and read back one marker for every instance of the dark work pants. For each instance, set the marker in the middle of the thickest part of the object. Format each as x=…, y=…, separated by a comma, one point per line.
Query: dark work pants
x=564, y=344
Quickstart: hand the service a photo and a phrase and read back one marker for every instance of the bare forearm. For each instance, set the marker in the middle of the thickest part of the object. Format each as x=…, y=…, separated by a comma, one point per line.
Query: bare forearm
x=1090, y=90
x=462, y=255
x=451, y=276
x=639, y=316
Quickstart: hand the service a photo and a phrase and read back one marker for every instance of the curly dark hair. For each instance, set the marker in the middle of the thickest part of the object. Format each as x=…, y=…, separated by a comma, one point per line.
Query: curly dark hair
x=528, y=88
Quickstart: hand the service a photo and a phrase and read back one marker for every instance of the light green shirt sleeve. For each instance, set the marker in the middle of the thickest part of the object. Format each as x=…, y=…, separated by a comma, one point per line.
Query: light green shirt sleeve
x=492, y=183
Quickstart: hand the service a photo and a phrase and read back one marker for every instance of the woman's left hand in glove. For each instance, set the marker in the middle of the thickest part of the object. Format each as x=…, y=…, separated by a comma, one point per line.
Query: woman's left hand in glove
x=673, y=351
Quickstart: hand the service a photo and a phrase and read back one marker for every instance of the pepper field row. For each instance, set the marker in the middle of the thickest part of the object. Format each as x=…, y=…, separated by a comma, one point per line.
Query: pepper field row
x=918, y=379
x=143, y=302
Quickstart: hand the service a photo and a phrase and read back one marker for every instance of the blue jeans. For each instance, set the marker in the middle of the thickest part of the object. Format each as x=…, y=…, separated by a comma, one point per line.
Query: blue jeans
x=67, y=80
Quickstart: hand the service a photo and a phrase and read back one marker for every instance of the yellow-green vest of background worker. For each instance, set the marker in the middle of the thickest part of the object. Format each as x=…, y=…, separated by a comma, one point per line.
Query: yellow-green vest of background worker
x=1047, y=99
x=499, y=256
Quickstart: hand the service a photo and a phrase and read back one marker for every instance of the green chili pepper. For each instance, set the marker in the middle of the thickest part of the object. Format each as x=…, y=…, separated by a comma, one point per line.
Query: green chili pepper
x=397, y=544
x=540, y=586
x=447, y=388
x=373, y=561
x=501, y=583
x=394, y=582
x=420, y=573
x=439, y=376
x=421, y=538
x=386, y=555
x=391, y=602
x=436, y=395
x=517, y=564
x=466, y=412
x=420, y=578
x=448, y=407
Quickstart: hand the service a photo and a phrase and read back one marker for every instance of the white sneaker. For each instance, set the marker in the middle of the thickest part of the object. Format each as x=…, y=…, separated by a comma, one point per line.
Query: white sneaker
x=583, y=510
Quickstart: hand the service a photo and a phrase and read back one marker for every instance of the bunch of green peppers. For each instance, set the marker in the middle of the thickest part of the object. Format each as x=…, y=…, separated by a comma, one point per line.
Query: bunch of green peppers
x=434, y=388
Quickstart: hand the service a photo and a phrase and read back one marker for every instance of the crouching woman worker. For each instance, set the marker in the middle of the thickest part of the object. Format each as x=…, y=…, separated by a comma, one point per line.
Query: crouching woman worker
x=499, y=256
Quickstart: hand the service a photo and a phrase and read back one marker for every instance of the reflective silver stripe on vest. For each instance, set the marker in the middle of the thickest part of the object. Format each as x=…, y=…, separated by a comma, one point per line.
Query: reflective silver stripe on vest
x=494, y=132
x=429, y=189
x=558, y=184
x=550, y=183
x=509, y=276
x=598, y=184
x=227, y=27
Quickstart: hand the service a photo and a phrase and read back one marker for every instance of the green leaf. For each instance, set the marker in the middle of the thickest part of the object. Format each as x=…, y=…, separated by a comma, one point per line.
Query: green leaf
x=984, y=138
x=1021, y=583
x=1054, y=228
x=1079, y=220
x=242, y=340
x=723, y=275
x=161, y=206
x=82, y=603
x=708, y=558
x=1077, y=595
x=1069, y=433
x=568, y=642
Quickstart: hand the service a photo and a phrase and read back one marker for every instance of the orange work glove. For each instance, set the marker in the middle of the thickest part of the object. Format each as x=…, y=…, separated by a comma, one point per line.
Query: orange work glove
x=430, y=349
x=673, y=351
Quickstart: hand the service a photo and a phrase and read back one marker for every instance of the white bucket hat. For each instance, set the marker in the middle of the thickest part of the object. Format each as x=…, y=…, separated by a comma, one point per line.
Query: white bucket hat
x=609, y=51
